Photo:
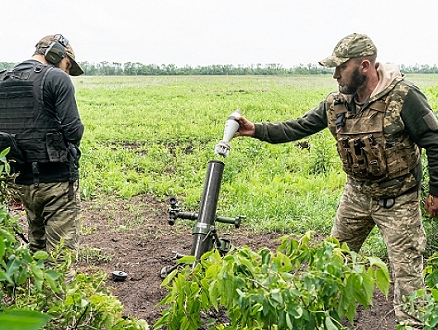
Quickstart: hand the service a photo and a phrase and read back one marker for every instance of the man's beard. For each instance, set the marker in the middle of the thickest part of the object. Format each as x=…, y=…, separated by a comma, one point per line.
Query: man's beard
x=357, y=81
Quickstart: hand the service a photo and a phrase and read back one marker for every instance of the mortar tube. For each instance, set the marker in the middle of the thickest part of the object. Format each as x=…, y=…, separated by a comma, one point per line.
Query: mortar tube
x=207, y=209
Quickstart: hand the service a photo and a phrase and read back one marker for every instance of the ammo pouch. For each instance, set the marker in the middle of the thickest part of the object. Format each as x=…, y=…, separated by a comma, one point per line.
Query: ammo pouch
x=362, y=157
x=73, y=158
x=56, y=148
x=8, y=141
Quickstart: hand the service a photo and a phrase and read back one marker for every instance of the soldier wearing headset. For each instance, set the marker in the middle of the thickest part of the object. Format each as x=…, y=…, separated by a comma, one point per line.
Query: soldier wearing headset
x=40, y=122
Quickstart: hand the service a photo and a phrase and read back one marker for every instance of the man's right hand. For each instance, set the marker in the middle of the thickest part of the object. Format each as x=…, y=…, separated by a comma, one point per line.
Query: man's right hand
x=246, y=128
x=431, y=206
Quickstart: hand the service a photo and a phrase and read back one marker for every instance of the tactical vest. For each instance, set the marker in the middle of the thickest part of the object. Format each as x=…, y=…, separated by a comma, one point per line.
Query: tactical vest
x=372, y=142
x=33, y=135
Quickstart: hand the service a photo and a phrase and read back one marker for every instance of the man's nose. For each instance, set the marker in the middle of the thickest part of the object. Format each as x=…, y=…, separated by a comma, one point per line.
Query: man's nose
x=336, y=74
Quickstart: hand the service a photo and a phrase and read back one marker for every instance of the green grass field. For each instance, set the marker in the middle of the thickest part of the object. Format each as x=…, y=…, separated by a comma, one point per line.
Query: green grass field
x=155, y=135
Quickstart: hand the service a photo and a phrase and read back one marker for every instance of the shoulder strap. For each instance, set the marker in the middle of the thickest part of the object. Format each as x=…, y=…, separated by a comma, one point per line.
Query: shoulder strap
x=340, y=108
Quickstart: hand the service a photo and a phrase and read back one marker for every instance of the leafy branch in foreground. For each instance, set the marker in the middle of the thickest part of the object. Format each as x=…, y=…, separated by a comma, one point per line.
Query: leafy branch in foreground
x=8, y=189
x=424, y=302
x=33, y=295
x=298, y=287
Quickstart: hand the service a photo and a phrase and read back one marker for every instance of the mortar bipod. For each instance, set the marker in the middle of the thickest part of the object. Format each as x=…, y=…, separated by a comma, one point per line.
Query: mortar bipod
x=205, y=234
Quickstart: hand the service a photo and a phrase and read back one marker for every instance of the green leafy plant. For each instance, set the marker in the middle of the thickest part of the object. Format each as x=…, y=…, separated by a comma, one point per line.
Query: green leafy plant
x=21, y=273
x=23, y=320
x=424, y=302
x=34, y=292
x=89, y=304
x=8, y=189
x=90, y=255
x=299, y=286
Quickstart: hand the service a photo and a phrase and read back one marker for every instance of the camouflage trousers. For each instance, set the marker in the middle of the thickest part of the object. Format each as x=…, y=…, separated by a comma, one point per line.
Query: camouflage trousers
x=402, y=231
x=51, y=215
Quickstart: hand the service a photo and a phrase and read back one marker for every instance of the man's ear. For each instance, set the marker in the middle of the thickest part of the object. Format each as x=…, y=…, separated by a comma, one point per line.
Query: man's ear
x=365, y=65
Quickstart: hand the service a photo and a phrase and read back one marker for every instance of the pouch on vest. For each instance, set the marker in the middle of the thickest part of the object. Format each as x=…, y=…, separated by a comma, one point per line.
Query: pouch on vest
x=375, y=156
x=8, y=141
x=345, y=153
x=359, y=163
x=56, y=148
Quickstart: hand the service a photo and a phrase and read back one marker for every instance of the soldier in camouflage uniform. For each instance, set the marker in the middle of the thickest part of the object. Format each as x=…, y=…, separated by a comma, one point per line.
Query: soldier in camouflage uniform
x=380, y=122
x=40, y=122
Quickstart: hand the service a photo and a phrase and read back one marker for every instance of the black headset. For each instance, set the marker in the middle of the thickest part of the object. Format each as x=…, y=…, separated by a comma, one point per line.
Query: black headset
x=56, y=50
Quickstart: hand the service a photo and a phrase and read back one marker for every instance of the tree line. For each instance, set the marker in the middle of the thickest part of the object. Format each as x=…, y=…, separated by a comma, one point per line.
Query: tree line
x=139, y=69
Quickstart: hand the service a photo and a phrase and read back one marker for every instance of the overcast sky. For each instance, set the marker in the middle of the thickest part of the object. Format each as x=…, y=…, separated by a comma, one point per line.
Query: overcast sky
x=206, y=32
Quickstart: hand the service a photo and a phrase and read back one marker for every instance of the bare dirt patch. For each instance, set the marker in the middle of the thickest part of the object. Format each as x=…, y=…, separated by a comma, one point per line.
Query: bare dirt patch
x=143, y=250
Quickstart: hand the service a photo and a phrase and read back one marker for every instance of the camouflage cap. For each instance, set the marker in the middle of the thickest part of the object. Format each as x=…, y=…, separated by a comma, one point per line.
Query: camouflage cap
x=352, y=46
x=45, y=42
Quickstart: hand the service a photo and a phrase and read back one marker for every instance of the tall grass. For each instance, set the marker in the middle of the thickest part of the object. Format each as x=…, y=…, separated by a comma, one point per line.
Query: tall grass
x=155, y=135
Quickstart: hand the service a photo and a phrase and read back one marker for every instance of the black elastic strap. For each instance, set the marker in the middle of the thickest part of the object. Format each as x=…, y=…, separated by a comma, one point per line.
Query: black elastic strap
x=36, y=174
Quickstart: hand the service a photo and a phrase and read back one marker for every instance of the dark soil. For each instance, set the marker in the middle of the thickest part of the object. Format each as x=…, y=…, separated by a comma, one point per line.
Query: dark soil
x=141, y=251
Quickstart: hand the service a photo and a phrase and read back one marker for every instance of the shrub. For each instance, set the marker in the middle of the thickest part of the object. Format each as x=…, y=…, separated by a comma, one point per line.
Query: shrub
x=299, y=286
x=33, y=295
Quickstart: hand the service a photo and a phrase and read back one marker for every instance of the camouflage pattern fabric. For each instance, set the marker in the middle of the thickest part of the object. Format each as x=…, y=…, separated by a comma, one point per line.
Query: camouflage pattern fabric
x=51, y=215
x=402, y=231
x=401, y=158
x=352, y=46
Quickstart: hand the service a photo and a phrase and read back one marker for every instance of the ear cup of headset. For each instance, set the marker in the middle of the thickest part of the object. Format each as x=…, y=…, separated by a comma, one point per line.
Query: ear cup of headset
x=55, y=52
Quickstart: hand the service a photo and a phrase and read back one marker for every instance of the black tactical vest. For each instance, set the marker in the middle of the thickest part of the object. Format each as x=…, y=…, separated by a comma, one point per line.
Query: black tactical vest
x=35, y=136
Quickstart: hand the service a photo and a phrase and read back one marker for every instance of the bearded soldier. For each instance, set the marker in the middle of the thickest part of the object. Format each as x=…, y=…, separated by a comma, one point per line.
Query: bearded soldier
x=380, y=122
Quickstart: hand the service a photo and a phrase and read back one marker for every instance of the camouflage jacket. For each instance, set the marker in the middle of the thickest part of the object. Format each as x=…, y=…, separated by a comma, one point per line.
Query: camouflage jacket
x=415, y=120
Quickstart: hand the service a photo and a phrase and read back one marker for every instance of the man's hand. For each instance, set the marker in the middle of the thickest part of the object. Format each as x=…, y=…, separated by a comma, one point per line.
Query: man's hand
x=246, y=128
x=431, y=206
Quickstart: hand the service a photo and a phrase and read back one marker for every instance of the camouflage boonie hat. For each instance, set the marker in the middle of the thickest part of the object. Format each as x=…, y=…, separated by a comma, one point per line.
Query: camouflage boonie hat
x=45, y=42
x=352, y=46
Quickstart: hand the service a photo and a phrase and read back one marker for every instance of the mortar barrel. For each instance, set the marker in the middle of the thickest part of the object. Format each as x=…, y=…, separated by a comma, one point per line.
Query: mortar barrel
x=207, y=209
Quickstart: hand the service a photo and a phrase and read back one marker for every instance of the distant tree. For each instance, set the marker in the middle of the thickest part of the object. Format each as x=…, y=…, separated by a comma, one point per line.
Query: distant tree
x=138, y=69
